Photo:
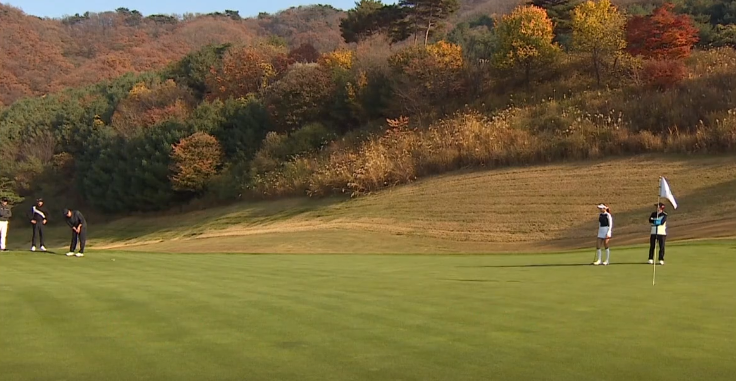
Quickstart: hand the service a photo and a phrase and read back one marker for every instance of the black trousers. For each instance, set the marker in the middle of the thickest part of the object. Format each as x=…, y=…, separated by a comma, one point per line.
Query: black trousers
x=37, y=232
x=81, y=238
x=653, y=240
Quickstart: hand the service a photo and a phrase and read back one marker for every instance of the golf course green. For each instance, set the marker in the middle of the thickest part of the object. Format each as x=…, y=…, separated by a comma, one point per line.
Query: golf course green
x=145, y=316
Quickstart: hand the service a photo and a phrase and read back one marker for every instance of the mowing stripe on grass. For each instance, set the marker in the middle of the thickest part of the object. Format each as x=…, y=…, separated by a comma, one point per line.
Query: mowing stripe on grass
x=235, y=317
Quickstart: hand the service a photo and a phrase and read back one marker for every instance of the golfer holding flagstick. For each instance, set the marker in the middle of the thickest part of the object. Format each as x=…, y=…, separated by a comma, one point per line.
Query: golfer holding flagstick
x=658, y=220
x=605, y=228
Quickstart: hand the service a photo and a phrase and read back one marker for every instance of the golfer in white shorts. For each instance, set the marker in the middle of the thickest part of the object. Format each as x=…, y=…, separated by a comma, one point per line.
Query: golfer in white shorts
x=605, y=227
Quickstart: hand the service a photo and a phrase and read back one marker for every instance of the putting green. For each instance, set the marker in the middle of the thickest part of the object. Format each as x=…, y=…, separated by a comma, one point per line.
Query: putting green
x=139, y=316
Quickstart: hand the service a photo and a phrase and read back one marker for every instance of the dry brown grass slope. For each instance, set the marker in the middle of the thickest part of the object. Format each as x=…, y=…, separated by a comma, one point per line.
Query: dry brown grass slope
x=539, y=208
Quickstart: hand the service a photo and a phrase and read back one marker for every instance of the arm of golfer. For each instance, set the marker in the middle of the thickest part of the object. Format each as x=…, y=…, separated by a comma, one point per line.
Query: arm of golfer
x=610, y=225
x=653, y=218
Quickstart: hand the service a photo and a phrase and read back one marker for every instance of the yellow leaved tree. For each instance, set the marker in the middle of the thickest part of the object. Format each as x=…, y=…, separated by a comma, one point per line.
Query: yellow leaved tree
x=427, y=75
x=598, y=29
x=338, y=59
x=525, y=39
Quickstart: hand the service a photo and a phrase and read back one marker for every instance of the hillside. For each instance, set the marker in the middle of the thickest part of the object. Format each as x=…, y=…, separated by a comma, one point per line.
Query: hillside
x=41, y=56
x=529, y=209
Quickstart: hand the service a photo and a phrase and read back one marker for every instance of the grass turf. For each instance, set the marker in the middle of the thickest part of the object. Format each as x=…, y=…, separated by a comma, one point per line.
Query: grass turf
x=334, y=317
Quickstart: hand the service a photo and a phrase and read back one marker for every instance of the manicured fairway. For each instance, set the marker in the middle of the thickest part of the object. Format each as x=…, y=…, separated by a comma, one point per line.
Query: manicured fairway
x=239, y=317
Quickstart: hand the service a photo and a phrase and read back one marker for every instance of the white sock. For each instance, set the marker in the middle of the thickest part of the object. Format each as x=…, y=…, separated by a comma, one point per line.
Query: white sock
x=608, y=254
x=599, y=255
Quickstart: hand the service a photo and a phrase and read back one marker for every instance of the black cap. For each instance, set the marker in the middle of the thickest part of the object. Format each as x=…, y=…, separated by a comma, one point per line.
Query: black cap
x=66, y=211
x=39, y=199
x=661, y=205
x=4, y=199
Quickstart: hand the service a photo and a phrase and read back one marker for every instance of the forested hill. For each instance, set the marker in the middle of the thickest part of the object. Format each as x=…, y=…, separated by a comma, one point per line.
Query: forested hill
x=146, y=113
x=40, y=56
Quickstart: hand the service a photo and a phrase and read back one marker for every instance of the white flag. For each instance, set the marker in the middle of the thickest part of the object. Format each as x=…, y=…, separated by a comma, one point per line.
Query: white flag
x=664, y=191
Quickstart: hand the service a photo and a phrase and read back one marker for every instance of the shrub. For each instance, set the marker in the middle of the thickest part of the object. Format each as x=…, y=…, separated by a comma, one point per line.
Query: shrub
x=664, y=74
x=279, y=148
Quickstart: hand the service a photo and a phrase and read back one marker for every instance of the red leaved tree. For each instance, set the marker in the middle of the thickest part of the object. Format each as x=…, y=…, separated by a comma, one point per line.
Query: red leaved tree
x=305, y=53
x=663, y=35
x=665, y=39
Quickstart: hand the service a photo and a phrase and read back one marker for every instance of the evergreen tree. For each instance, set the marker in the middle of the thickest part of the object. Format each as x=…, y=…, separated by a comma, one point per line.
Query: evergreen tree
x=560, y=12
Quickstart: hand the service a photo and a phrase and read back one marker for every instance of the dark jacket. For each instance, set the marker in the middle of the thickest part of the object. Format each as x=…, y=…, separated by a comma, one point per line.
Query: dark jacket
x=76, y=219
x=38, y=213
x=5, y=212
x=658, y=221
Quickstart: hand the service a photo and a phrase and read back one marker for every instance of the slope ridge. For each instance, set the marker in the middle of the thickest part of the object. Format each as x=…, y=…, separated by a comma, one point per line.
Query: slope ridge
x=537, y=208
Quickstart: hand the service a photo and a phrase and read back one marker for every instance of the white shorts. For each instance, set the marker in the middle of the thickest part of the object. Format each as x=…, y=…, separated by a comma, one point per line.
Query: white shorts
x=603, y=232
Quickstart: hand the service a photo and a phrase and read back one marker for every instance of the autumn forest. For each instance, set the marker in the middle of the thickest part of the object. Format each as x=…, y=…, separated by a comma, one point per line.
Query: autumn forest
x=122, y=112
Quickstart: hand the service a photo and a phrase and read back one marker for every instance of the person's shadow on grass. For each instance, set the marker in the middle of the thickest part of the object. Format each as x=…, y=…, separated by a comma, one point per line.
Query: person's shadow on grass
x=556, y=265
x=49, y=252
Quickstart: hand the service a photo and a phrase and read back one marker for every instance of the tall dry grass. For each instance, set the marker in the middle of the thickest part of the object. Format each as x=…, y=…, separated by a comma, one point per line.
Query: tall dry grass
x=696, y=117
x=405, y=153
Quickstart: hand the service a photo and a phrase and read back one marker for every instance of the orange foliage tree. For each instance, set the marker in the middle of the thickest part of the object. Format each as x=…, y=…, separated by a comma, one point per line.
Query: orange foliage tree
x=247, y=70
x=196, y=159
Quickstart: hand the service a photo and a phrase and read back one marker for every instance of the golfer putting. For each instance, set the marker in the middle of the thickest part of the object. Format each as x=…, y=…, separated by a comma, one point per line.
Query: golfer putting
x=75, y=220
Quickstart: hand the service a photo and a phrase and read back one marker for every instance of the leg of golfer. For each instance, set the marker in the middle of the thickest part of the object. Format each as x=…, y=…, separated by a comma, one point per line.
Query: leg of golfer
x=73, y=245
x=661, y=239
x=82, y=241
x=3, y=234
